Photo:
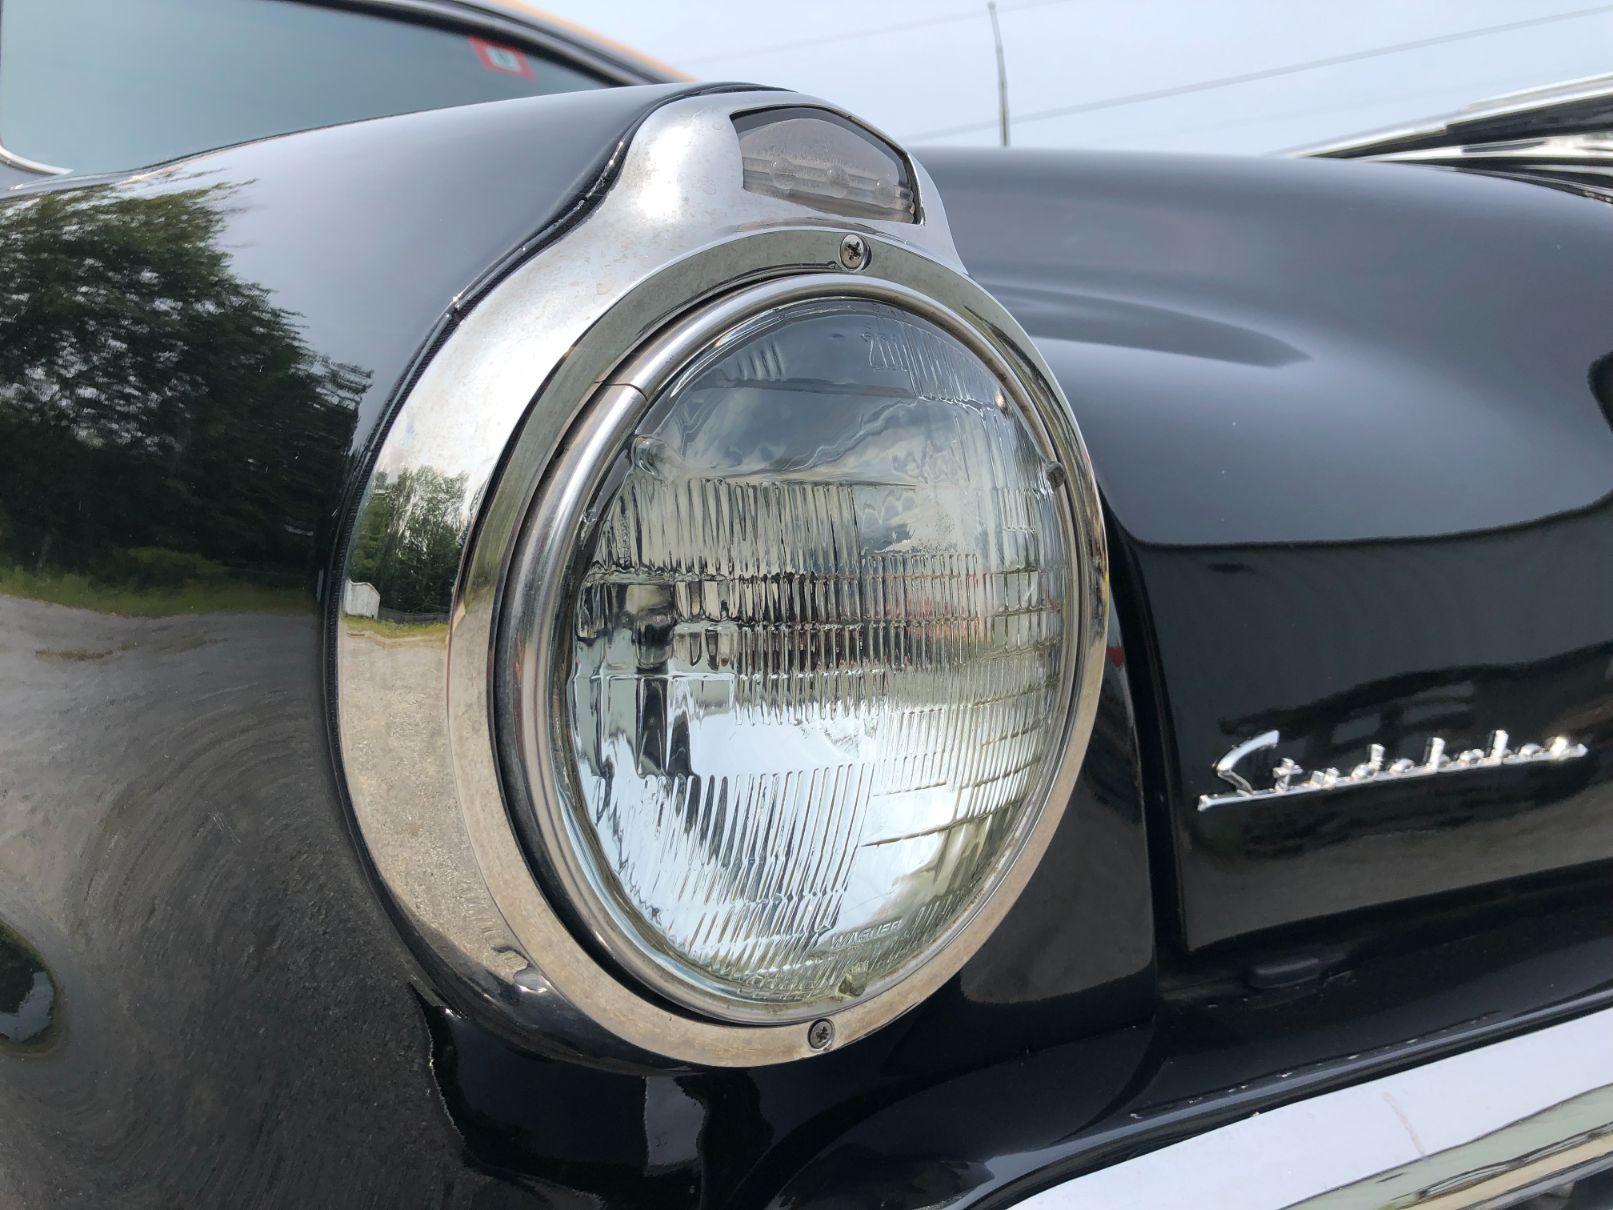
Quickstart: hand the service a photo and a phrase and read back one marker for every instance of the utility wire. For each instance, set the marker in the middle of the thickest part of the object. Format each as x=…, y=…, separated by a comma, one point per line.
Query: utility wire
x=857, y=35
x=1160, y=94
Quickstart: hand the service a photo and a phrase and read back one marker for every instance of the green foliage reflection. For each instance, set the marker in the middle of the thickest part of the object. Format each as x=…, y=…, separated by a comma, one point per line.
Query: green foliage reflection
x=408, y=539
x=163, y=426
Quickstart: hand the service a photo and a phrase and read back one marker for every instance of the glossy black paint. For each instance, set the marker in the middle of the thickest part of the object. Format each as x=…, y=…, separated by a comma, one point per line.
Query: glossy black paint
x=235, y=1018
x=194, y=363
x=894, y=1123
x=1358, y=476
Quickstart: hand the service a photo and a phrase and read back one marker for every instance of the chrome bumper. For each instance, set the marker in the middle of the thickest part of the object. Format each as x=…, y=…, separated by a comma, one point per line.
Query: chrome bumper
x=1490, y=1127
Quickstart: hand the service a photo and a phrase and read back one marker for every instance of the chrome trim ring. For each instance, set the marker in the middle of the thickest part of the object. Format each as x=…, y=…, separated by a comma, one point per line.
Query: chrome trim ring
x=487, y=418
x=537, y=604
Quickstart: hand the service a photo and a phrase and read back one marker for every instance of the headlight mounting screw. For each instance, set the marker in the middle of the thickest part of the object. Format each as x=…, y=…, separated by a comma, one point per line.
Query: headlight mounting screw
x=820, y=1034
x=854, y=252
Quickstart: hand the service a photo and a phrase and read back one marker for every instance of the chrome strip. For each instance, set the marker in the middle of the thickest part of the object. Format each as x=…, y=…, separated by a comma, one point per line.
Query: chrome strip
x=14, y=160
x=1386, y=139
x=1483, y=1128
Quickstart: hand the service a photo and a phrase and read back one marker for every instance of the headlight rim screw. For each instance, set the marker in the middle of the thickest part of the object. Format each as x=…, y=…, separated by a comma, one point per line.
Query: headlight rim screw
x=821, y=1034
x=854, y=253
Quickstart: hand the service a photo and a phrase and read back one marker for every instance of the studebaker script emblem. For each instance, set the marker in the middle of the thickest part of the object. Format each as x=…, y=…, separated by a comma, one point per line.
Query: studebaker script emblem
x=1290, y=778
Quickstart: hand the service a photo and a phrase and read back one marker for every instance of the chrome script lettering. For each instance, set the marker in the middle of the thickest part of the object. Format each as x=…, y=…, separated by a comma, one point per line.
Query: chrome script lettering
x=1289, y=777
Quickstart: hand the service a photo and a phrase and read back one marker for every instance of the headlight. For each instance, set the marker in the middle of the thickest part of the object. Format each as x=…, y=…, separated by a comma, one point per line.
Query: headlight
x=810, y=661
x=722, y=619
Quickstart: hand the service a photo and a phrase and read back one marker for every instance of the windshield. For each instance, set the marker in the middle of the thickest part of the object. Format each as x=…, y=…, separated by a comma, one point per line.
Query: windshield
x=95, y=85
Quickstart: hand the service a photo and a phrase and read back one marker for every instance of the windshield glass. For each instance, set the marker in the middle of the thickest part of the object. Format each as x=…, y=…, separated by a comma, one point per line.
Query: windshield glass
x=94, y=85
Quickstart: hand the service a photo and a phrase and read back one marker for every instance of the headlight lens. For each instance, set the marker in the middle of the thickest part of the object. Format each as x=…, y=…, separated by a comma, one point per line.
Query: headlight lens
x=819, y=661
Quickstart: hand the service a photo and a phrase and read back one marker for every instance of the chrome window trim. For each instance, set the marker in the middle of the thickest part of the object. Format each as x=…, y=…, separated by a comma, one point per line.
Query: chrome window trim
x=519, y=23
x=675, y=231
x=1448, y=129
x=14, y=160
x=1486, y=1127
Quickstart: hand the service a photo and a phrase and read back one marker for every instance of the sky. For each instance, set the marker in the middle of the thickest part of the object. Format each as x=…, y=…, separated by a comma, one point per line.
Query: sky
x=1086, y=73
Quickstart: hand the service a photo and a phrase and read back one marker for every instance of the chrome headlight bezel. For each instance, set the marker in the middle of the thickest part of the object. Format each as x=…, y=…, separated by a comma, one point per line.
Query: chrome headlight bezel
x=537, y=603
x=437, y=794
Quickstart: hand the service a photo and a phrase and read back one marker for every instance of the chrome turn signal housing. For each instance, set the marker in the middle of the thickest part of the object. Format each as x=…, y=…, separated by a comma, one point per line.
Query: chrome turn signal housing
x=768, y=648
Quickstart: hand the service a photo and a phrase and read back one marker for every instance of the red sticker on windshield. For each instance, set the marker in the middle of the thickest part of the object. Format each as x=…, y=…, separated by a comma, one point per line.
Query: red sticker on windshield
x=501, y=59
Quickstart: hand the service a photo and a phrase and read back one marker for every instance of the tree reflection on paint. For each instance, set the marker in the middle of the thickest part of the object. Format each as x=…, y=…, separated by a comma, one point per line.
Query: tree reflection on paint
x=162, y=424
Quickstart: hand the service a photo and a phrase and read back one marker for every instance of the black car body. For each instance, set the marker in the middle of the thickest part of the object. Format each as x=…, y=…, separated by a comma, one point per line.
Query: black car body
x=1351, y=428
